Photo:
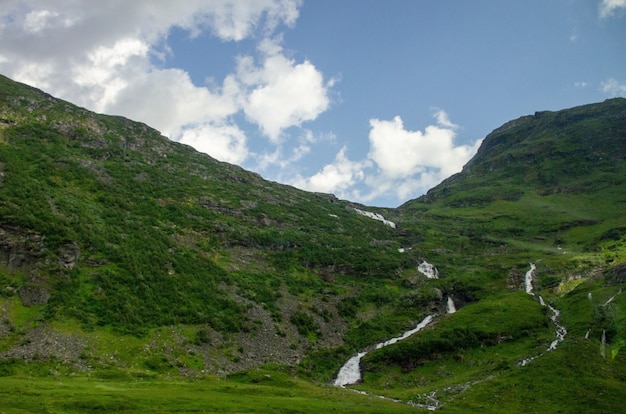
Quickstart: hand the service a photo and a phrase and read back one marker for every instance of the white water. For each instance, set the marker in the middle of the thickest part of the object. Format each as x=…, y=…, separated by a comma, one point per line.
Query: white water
x=529, y=279
x=376, y=216
x=560, y=330
x=428, y=270
x=450, y=308
x=612, y=298
x=350, y=372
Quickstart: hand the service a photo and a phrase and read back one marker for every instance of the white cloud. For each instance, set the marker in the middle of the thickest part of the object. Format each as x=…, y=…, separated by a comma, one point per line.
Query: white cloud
x=609, y=7
x=235, y=20
x=613, y=88
x=400, y=163
x=401, y=153
x=99, y=55
x=281, y=93
x=337, y=177
x=224, y=142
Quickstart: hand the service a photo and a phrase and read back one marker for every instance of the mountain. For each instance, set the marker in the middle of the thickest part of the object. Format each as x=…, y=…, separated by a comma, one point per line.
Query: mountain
x=125, y=256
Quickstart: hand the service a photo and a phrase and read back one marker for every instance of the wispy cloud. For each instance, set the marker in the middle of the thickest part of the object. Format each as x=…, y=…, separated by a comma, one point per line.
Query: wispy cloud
x=613, y=88
x=610, y=7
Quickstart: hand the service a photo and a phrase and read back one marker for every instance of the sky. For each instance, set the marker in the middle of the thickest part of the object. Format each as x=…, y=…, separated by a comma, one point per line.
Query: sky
x=374, y=101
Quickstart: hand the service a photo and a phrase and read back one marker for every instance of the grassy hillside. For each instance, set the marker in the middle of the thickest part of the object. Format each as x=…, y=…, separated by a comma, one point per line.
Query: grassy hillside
x=130, y=262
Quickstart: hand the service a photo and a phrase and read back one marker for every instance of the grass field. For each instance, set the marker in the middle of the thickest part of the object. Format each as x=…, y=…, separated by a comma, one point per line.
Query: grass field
x=256, y=392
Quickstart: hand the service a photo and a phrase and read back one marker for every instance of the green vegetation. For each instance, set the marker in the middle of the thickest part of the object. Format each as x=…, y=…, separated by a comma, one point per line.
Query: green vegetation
x=254, y=392
x=137, y=274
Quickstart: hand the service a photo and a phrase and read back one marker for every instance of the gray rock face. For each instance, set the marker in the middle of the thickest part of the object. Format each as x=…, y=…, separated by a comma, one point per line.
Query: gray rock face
x=69, y=255
x=34, y=295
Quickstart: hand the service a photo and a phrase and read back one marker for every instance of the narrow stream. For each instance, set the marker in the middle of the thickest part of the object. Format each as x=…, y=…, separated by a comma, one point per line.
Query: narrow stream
x=560, y=330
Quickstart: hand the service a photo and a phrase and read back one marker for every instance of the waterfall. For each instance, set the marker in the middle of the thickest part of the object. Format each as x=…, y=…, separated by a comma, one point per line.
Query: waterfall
x=587, y=334
x=350, y=372
x=450, y=308
x=428, y=270
x=603, y=345
x=529, y=279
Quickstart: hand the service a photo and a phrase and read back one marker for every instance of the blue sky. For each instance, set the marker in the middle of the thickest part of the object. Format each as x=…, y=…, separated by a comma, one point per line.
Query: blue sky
x=374, y=101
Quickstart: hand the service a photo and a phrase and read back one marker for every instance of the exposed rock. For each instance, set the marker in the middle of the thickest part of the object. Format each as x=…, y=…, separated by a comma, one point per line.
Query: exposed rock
x=616, y=274
x=43, y=342
x=19, y=249
x=34, y=295
x=514, y=280
x=69, y=254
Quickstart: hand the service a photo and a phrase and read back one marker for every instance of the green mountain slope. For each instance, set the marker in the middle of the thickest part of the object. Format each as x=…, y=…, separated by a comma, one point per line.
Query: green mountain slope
x=126, y=256
x=106, y=225
x=548, y=189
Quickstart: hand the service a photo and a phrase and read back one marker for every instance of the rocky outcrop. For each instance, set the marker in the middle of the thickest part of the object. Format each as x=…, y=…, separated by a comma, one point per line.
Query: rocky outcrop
x=514, y=280
x=43, y=342
x=19, y=249
x=69, y=254
x=33, y=295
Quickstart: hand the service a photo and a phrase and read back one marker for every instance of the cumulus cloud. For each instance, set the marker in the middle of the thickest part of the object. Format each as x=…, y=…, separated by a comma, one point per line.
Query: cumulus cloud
x=609, y=7
x=337, y=177
x=224, y=142
x=613, y=88
x=400, y=163
x=281, y=92
x=100, y=55
x=399, y=152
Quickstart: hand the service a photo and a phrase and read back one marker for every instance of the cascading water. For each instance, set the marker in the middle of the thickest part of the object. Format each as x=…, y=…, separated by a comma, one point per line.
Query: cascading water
x=529, y=280
x=612, y=298
x=560, y=329
x=450, y=308
x=350, y=372
x=428, y=270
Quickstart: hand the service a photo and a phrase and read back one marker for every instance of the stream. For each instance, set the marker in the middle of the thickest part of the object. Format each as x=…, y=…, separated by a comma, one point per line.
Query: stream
x=560, y=330
x=350, y=372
